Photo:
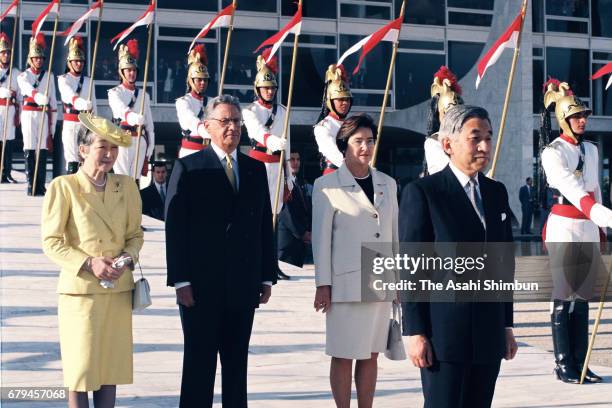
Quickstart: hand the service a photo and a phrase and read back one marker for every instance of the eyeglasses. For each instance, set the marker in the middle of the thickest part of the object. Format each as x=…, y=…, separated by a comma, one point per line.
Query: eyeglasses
x=226, y=122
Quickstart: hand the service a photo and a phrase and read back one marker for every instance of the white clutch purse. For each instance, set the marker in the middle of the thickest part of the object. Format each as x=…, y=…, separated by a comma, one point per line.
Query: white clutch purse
x=141, y=294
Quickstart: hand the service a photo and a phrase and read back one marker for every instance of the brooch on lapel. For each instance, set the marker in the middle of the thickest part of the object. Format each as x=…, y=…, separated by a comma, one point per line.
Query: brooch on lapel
x=117, y=187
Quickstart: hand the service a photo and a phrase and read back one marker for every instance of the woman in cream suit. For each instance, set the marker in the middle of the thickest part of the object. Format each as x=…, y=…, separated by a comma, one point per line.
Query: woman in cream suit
x=89, y=220
x=354, y=205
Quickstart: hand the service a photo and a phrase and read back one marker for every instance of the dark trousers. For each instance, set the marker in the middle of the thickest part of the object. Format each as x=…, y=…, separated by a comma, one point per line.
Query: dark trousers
x=459, y=385
x=210, y=331
x=290, y=249
x=526, y=222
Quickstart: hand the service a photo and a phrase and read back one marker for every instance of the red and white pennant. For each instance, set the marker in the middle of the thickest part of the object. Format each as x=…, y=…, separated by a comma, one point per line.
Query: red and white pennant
x=52, y=7
x=293, y=26
x=145, y=19
x=606, y=69
x=76, y=26
x=221, y=20
x=10, y=11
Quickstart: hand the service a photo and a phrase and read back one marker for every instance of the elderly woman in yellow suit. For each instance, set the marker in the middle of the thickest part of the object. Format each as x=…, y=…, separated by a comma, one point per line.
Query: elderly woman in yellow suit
x=89, y=220
x=357, y=204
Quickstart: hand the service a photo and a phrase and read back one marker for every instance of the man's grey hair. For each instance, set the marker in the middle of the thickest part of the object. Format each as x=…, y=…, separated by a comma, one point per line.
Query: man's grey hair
x=222, y=100
x=455, y=118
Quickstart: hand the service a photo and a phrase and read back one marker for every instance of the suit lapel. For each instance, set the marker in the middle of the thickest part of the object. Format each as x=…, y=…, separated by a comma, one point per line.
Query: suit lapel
x=111, y=196
x=459, y=199
x=379, y=189
x=487, y=201
x=214, y=162
x=347, y=181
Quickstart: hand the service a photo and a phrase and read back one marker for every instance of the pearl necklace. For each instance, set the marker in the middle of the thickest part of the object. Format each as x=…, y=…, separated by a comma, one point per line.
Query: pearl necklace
x=92, y=181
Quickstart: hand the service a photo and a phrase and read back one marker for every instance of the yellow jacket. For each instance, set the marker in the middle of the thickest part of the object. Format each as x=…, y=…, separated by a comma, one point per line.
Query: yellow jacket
x=77, y=224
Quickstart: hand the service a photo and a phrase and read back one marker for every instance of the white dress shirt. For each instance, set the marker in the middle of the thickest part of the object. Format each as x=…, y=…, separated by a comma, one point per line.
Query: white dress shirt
x=464, y=180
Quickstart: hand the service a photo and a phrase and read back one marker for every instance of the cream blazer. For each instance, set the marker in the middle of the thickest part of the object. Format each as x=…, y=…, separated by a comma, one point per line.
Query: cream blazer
x=344, y=218
x=77, y=224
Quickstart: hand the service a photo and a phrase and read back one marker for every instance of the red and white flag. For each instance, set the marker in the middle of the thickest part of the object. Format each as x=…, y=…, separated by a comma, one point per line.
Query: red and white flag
x=145, y=19
x=221, y=20
x=390, y=32
x=52, y=7
x=606, y=69
x=293, y=26
x=10, y=11
x=509, y=39
x=76, y=26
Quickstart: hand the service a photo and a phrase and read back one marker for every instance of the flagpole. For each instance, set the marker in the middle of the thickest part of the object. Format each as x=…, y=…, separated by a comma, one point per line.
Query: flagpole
x=388, y=86
x=502, y=124
x=45, y=107
x=227, y=46
x=602, y=299
x=142, y=102
x=285, y=128
x=95, y=53
x=10, y=82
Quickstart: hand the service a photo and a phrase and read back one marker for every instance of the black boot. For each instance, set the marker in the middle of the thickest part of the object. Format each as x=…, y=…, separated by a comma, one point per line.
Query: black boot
x=565, y=369
x=579, y=336
x=30, y=161
x=8, y=165
x=42, y=173
x=73, y=167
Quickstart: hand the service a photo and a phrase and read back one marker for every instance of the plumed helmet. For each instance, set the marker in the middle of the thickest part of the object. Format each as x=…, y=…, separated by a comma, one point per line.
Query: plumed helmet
x=5, y=42
x=128, y=56
x=198, y=62
x=446, y=87
x=337, y=86
x=566, y=103
x=37, y=47
x=266, y=71
x=76, y=49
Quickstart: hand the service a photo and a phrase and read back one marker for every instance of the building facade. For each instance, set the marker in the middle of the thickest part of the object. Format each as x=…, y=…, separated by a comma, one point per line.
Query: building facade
x=567, y=39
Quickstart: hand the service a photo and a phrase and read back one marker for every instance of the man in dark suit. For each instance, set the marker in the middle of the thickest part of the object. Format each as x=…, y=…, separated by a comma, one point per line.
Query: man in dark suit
x=294, y=222
x=220, y=256
x=526, y=199
x=459, y=345
x=154, y=196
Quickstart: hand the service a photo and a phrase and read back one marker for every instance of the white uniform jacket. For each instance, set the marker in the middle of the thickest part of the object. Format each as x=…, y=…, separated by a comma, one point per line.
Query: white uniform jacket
x=190, y=111
x=325, y=133
x=15, y=102
x=30, y=84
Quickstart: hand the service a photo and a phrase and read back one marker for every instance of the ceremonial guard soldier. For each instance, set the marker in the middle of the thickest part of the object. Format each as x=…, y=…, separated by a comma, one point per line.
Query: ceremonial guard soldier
x=190, y=108
x=125, y=100
x=264, y=120
x=73, y=87
x=336, y=107
x=9, y=95
x=572, y=231
x=31, y=85
x=445, y=93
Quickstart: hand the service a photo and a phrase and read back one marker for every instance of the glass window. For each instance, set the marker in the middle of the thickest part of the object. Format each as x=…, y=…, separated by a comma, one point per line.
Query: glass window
x=413, y=77
x=571, y=66
x=172, y=70
x=537, y=18
x=359, y=11
x=462, y=56
x=195, y=5
x=602, y=15
x=472, y=4
x=243, y=94
x=310, y=70
x=106, y=64
x=538, y=83
x=568, y=8
x=189, y=33
x=470, y=19
x=564, y=26
x=317, y=39
x=602, y=99
x=268, y=6
x=374, y=68
x=538, y=52
x=241, y=68
x=312, y=8
x=368, y=99
x=602, y=56
x=421, y=45
x=431, y=12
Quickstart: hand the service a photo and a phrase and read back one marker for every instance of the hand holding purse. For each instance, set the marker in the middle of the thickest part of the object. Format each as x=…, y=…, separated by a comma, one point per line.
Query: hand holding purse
x=395, y=346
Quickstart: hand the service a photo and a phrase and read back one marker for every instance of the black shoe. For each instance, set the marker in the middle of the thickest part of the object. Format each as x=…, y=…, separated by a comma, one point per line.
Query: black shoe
x=5, y=180
x=565, y=369
x=579, y=333
x=11, y=179
x=282, y=276
x=591, y=377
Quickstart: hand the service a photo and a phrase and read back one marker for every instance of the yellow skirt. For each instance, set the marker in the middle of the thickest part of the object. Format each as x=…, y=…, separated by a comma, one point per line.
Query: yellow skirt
x=96, y=340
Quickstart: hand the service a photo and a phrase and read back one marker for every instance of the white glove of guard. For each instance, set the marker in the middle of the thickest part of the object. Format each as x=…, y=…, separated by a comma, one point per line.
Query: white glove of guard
x=275, y=143
x=82, y=104
x=601, y=216
x=135, y=119
x=5, y=93
x=202, y=131
x=41, y=99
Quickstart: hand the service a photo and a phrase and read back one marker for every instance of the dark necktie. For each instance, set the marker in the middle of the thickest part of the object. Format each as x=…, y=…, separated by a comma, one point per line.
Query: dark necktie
x=162, y=193
x=476, y=199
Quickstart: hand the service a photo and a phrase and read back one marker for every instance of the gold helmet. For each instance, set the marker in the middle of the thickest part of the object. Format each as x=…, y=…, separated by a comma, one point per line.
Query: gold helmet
x=197, y=61
x=128, y=57
x=337, y=85
x=446, y=87
x=37, y=47
x=566, y=104
x=76, y=49
x=266, y=72
x=5, y=42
